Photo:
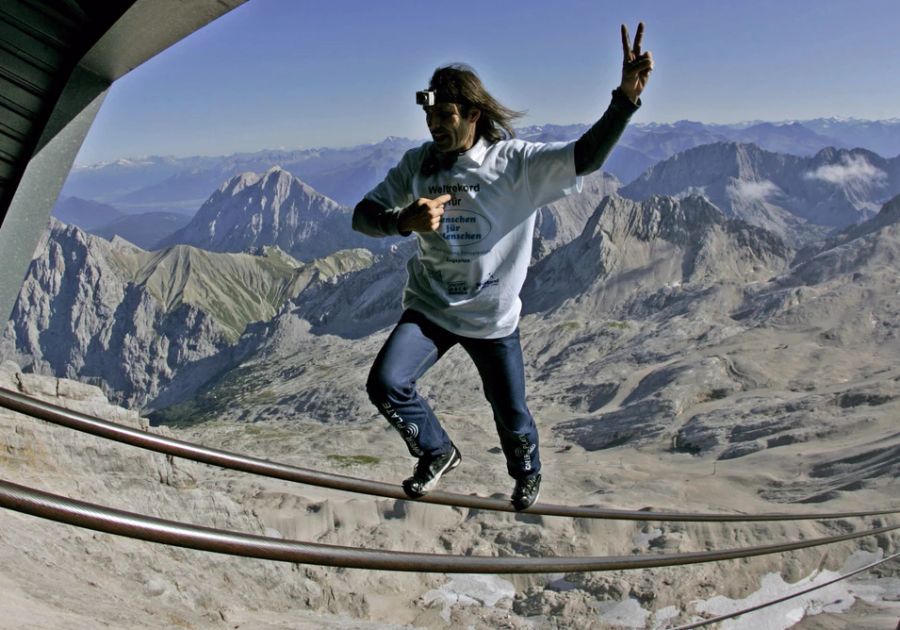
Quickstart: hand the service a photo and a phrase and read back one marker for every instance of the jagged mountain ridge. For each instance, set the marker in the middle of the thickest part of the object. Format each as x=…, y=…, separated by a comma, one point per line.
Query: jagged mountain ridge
x=148, y=325
x=630, y=247
x=274, y=208
x=563, y=220
x=787, y=194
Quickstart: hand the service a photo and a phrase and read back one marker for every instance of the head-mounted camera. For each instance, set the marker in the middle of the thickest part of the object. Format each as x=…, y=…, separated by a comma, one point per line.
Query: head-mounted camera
x=426, y=98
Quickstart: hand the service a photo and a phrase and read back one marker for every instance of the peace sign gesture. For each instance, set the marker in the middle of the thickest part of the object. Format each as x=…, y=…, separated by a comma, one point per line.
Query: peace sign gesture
x=636, y=66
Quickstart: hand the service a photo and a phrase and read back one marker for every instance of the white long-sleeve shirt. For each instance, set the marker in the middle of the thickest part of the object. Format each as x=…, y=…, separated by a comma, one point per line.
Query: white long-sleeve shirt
x=467, y=275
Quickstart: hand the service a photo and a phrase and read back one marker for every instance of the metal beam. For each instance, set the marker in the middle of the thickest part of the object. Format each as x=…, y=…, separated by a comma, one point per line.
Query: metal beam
x=142, y=31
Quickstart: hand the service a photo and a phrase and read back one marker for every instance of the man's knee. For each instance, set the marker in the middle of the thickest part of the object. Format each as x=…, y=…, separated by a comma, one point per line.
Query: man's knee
x=385, y=386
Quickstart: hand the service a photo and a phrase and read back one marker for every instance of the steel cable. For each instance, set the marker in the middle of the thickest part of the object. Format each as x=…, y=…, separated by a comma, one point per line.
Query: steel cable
x=122, y=523
x=744, y=611
x=169, y=446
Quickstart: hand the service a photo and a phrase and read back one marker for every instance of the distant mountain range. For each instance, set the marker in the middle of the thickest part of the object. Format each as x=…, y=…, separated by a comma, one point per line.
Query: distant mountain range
x=345, y=174
x=185, y=183
x=145, y=230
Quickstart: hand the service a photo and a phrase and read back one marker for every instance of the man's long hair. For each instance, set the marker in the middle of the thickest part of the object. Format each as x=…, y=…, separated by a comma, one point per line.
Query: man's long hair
x=458, y=83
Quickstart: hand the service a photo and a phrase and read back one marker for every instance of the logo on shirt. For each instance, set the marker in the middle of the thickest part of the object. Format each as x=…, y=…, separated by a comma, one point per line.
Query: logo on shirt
x=461, y=228
x=457, y=288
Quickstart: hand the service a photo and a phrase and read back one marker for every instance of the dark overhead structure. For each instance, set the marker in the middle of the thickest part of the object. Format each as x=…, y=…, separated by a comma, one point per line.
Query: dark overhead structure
x=57, y=61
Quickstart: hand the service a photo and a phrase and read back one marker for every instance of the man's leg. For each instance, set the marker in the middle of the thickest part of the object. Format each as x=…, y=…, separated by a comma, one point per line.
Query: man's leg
x=414, y=346
x=502, y=371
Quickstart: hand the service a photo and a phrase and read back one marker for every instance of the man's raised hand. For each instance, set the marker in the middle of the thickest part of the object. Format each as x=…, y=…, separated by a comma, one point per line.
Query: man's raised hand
x=423, y=215
x=636, y=65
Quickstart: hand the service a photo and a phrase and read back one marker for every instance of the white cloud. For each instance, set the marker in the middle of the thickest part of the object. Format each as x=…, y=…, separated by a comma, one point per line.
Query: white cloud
x=853, y=170
x=750, y=191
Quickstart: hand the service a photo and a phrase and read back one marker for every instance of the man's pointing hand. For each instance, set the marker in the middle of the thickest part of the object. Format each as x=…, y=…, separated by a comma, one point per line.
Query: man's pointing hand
x=423, y=215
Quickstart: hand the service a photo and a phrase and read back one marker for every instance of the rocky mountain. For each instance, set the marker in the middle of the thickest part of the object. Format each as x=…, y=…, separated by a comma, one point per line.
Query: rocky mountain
x=122, y=582
x=563, y=220
x=790, y=195
x=695, y=367
x=759, y=365
x=630, y=249
x=273, y=208
x=148, y=326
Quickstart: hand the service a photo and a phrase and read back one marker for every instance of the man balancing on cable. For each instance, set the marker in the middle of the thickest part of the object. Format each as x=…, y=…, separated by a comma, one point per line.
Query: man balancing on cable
x=470, y=196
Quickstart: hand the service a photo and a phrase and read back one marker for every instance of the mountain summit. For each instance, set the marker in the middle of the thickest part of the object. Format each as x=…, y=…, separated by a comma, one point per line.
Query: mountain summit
x=253, y=210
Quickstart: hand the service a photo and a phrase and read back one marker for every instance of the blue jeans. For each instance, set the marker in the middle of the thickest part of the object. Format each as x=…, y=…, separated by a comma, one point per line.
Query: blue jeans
x=414, y=346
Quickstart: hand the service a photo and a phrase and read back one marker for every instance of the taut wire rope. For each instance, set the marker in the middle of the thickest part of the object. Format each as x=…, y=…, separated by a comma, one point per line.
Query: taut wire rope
x=169, y=446
x=120, y=522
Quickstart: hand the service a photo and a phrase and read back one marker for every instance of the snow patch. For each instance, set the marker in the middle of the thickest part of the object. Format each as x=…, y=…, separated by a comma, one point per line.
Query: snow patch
x=470, y=590
x=626, y=613
x=663, y=617
x=642, y=539
x=836, y=598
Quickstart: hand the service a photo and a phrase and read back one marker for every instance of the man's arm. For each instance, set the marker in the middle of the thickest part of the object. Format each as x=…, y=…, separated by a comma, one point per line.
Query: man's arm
x=373, y=219
x=422, y=215
x=592, y=149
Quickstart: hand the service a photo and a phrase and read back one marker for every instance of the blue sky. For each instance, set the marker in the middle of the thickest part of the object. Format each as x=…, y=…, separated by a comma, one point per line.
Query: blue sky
x=304, y=73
